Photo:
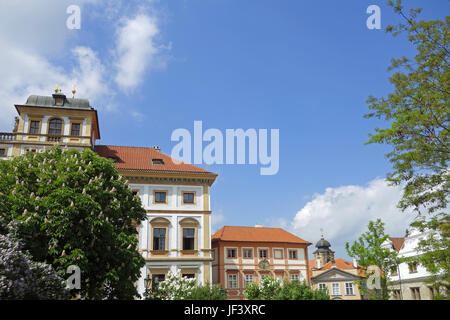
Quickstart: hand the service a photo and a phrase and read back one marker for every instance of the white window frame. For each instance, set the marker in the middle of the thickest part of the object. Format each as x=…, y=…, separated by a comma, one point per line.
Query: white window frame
x=232, y=283
x=243, y=253
x=247, y=280
x=295, y=277
x=335, y=286
x=323, y=286
x=349, y=289
x=290, y=254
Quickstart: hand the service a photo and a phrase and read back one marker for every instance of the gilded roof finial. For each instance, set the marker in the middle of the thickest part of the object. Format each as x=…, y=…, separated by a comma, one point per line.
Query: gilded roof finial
x=74, y=91
x=321, y=233
x=57, y=88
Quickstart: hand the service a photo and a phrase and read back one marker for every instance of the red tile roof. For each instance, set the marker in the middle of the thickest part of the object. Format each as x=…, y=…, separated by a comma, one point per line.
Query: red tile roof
x=140, y=159
x=256, y=234
x=339, y=264
x=397, y=243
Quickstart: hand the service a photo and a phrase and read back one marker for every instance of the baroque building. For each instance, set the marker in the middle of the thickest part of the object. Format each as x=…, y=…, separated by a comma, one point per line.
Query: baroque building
x=176, y=235
x=43, y=122
x=407, y=279
x=246, y=254
x=336, y=276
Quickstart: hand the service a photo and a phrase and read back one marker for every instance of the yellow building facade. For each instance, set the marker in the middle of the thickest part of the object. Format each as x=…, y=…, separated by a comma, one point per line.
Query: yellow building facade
x=176, y=235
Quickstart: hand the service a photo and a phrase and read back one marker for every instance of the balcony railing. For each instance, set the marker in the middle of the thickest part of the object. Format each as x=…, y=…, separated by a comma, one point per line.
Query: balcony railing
x=12, y=136
x=7, y=136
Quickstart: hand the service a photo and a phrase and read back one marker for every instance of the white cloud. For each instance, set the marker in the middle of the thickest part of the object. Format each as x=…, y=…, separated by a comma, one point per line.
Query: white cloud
x=28, y=52
x=345, y=211
x=136, y=50
x=25, y=73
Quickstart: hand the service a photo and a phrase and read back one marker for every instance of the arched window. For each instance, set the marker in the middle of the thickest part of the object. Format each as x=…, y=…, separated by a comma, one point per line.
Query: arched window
x=55, y=127
x=189, y=227
x=160, y=234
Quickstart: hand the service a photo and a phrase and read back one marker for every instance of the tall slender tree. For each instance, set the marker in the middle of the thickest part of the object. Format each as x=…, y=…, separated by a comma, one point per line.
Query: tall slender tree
x=418, y=115
x=369, y=252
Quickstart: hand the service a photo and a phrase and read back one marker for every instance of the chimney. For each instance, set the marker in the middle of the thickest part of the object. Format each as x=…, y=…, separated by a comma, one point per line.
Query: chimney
x=355, y=263
x=157, y=148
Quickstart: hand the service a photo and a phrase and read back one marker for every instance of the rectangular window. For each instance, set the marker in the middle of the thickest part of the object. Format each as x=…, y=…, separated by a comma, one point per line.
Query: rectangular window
x=263, y=253
x=292, y=254
x=394, y=271
x=34, y=126
x=336, y=289
x=188, y=275
x=396, y=294
x=248, y=253
x=2, y=152
x=188, y=197
x=188, y=238
x=412, y=267
x=232, y=281
x=156, y=279
x=415, y=293
x=248, y=279
x=159, y=239
x=75, y=130
x=160, y=196
x=323, y=286
x=294, y=277
x=55, y=127
x=231, y=253
x=349, y=289
x=278, y=254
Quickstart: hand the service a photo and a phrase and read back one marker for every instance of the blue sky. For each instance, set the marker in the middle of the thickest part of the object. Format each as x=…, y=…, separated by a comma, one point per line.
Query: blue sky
x=303, y=67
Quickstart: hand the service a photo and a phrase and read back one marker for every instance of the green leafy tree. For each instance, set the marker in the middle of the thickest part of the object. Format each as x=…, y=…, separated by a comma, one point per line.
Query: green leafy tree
x=23, y=278
x=368, y=250
x=73, y=208
x=296, y=290
x=176, y=287
x=273, y=289
x=417, y=112
x=208, y=292
x=434, y=254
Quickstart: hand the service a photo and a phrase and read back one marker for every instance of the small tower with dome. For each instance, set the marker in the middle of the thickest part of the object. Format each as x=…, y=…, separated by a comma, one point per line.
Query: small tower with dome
x=323, y=254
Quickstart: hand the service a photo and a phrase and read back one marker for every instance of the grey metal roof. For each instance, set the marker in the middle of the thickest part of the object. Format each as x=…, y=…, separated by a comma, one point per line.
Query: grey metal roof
x=322, y=243
x=70, y=103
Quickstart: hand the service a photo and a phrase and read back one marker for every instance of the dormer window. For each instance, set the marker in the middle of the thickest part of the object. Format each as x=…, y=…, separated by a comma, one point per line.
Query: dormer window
x=157, y=161
x=59, y=98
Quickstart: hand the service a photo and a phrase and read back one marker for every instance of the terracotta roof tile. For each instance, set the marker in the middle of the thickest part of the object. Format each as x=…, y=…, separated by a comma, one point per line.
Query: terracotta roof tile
x=256, y=234
x=397, y=243
x=339, y=264
x=140, y=159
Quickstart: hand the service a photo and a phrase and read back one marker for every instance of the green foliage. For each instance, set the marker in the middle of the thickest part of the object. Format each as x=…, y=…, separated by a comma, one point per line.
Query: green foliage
x=273, y=289
x=294, y=290
x=435, y=255
x=73, y=208
x=23, y=278
x=368, y=251
x=208, y=292
x=176, y=287
x=418, y=115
